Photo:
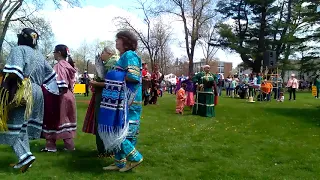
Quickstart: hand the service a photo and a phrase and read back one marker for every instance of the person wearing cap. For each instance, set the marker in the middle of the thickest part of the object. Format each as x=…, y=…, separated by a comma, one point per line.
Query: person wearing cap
x=292, y=85
x=90, y=125
x=26, y=70
x=206, y=94
x=121, y=106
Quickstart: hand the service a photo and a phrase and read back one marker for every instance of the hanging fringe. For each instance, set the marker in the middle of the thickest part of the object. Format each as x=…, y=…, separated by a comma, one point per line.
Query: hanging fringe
x=24, y=92
x=113, y=137
x=4, y=95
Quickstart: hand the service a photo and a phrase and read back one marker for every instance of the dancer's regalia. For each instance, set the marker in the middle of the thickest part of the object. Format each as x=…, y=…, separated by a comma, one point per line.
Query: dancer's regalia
x=206, y=94
x=91, y=120
x=26, y=71
x=120, y=110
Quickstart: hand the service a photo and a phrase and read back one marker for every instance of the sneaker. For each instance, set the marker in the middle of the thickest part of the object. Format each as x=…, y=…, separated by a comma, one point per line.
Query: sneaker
x=130, y=165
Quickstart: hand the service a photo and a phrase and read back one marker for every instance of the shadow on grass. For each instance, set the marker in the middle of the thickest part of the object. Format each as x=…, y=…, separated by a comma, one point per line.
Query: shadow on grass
x=80, y=160
x=84, y=161
x=304, y=115
x=6, y=160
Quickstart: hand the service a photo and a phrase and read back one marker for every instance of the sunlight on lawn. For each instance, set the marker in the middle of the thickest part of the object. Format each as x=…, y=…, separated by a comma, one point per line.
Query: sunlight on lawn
x=245, y=141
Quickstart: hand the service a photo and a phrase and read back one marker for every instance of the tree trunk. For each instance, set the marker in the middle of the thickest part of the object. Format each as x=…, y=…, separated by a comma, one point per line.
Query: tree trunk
x=285, y=61
x=256, y=68
x=261, y=43
x=6, y=22
x=190, y=66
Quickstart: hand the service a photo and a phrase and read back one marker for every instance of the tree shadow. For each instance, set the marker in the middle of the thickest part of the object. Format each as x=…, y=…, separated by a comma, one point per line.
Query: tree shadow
x=85, y=161
x=80, y=160
x=305, y=115
x=7, y=159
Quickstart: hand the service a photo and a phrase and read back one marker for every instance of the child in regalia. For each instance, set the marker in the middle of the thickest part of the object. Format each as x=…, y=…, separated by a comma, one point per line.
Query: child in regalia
x=181, y=99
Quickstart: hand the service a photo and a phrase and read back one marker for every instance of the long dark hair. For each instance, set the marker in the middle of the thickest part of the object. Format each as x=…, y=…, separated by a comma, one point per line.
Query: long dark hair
x=129, y=39
x=64, y=51
x=28, y=37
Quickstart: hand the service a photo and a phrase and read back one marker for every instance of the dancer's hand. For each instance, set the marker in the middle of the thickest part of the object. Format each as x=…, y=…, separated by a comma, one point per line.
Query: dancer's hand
x=93, y=83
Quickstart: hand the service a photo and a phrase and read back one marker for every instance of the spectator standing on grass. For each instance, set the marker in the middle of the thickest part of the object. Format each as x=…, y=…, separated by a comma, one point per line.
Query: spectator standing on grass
x=292, y=85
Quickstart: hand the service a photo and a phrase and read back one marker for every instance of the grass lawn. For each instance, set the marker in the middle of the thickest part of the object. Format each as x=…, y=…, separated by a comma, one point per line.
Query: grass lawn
x=268, y=140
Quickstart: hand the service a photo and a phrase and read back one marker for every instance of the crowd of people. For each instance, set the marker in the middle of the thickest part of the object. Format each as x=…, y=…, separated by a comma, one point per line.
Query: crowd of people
x=203, y=84
x=202, y=98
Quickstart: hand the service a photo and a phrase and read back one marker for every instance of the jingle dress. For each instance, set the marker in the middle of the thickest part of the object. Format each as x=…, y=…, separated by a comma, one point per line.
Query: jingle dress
x=25, y=61
x=120, y=109
x=204, y=105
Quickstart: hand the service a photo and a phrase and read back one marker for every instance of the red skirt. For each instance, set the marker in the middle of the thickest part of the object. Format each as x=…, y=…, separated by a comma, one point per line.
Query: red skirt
x=51, y=116
x=89, y=121
x=190, y=99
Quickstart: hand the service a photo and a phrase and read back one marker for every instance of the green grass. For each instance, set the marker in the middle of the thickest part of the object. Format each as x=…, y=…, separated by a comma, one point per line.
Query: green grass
x=268, y=140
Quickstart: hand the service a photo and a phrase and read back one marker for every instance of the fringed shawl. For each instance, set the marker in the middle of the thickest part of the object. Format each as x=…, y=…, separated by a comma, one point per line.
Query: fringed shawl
x=117, y=96
x=113, y=123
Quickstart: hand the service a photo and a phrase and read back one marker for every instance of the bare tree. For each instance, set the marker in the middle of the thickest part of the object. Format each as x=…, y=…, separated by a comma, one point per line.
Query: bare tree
x=43, y=27
x=166, y=59
x=144, y=37
x=208, y=33
x=161, y=37
x=19, y=10
x=194, y=14
x=82, y=56
x=98, y=45
x=154, y=38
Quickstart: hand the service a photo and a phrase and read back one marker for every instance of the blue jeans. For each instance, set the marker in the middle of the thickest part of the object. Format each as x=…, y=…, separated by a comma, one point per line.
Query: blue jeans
x=219, y=88
x=276, y=92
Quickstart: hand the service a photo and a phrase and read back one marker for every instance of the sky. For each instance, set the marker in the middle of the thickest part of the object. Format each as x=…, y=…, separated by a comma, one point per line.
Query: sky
x=95, y=20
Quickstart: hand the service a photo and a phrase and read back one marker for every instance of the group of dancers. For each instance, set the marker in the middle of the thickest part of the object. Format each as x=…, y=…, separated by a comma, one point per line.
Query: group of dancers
x=204, y=84
x=37, y=101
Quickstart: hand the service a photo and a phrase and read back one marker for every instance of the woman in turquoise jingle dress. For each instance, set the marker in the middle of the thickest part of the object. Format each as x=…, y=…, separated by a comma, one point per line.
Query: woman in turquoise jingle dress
x=121, y=105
